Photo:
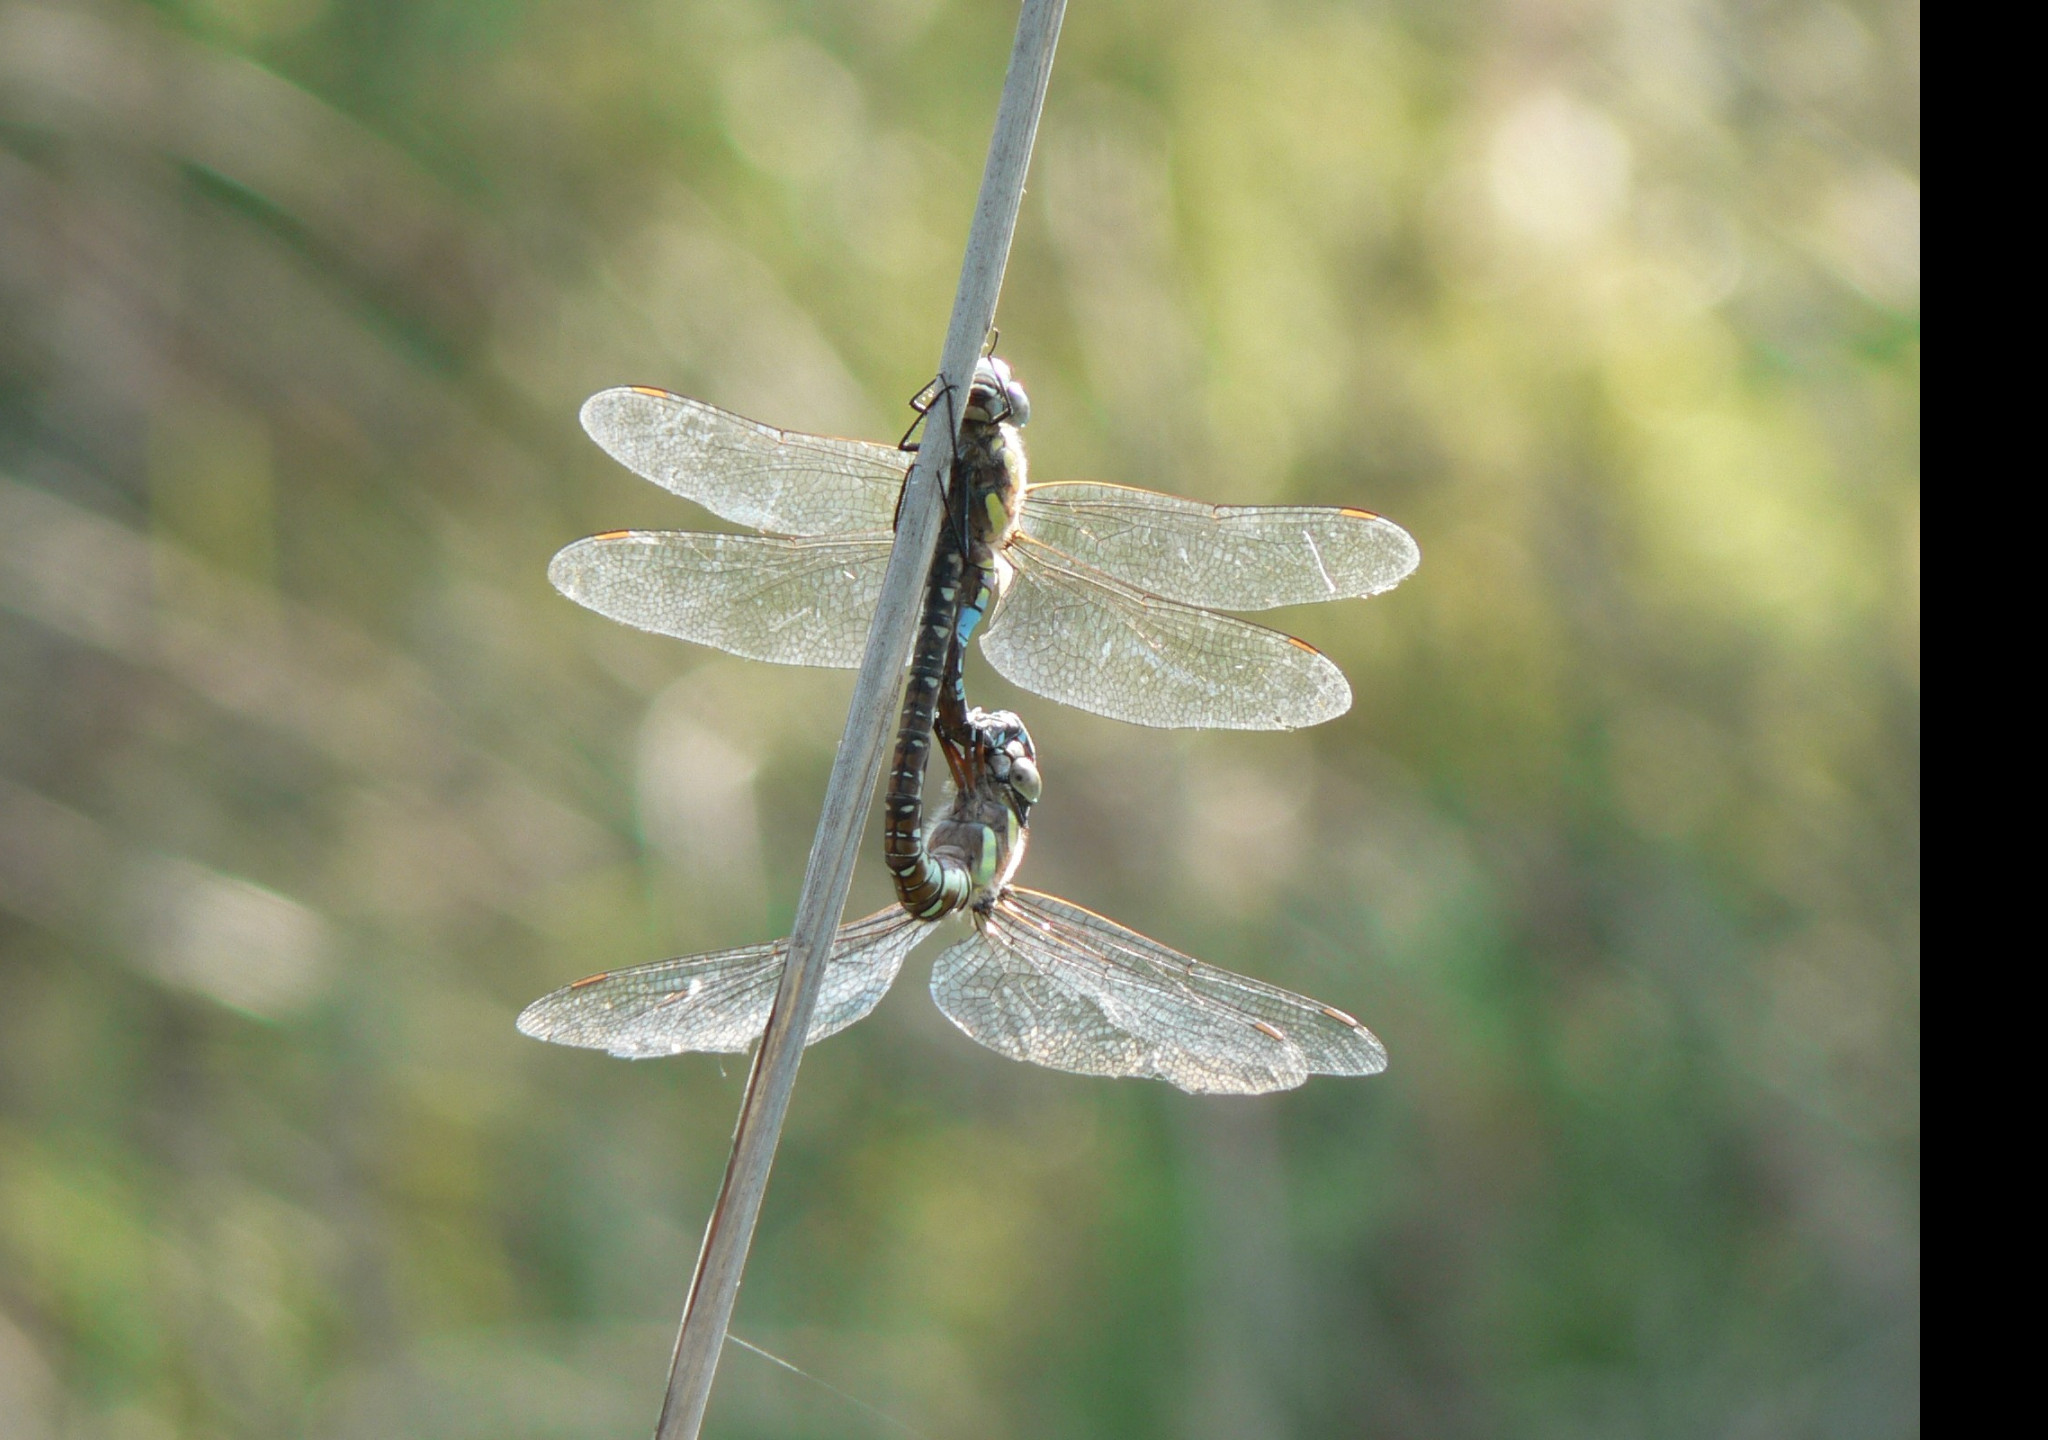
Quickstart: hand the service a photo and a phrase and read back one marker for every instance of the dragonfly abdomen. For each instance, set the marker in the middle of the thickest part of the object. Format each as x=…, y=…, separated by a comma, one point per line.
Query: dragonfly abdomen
x=925, y=887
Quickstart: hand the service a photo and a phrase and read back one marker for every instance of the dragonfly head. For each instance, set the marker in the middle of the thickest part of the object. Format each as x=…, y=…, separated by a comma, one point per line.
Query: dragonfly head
x=996, y=395
x=1007, y=756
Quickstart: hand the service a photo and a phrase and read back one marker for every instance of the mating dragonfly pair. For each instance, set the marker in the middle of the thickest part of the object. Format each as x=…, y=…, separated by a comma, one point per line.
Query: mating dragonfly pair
x=1101, y=596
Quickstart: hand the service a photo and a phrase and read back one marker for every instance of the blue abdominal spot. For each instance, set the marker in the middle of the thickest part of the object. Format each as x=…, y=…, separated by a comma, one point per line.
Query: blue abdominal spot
x=970, y=614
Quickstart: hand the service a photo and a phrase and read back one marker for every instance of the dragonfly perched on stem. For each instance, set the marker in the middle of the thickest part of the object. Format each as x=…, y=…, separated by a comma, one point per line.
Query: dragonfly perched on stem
x=1040, y=980
x=1105, y=597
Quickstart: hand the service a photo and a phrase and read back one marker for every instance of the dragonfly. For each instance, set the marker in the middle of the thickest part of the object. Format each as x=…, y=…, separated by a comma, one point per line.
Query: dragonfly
x=1040, y=979
x=1105, y=597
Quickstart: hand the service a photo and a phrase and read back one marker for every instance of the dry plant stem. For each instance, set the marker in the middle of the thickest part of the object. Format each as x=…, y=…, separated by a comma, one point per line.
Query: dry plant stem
x=858, y=764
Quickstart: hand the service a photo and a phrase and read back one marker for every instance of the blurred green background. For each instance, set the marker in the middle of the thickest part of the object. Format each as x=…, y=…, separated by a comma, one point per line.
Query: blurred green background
x=308, y=780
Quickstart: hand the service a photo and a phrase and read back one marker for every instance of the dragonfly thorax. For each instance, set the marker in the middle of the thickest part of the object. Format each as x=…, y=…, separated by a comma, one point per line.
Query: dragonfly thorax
x=993, y=476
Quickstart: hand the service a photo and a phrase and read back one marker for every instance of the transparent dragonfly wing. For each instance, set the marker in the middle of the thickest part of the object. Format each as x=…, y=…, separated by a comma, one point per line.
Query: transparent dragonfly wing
x=1073, y=634
x=781, y=481
x=720, y=1002
x=1050, y=983
x=792, y=602
x=1224, y=557
x=1332, y=1042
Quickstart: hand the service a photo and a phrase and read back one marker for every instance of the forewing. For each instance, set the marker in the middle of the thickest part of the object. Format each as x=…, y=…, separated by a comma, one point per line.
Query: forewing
x=1037, y=992
x=781, y=481
x=1053, y=984
x=1016, y=1007
x=793, y=602
x=1225, y=557
x=1330, y=1041
x=720, y=1002
x=1075, y=635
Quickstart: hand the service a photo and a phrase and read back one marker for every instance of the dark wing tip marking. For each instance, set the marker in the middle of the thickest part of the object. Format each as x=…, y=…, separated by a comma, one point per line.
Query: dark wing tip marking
x=1265, y=1029
x=1341, y=1018
x=1302, y=645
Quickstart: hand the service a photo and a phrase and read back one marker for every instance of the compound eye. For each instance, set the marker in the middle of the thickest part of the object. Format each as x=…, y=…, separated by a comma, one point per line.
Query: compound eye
x=1024, y=780
x=992, y=372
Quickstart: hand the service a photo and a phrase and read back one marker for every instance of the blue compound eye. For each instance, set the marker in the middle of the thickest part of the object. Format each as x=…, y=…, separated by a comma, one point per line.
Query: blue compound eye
x=1020, y=404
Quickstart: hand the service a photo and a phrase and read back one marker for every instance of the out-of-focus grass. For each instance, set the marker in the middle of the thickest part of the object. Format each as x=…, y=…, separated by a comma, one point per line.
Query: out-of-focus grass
x=307, y=780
